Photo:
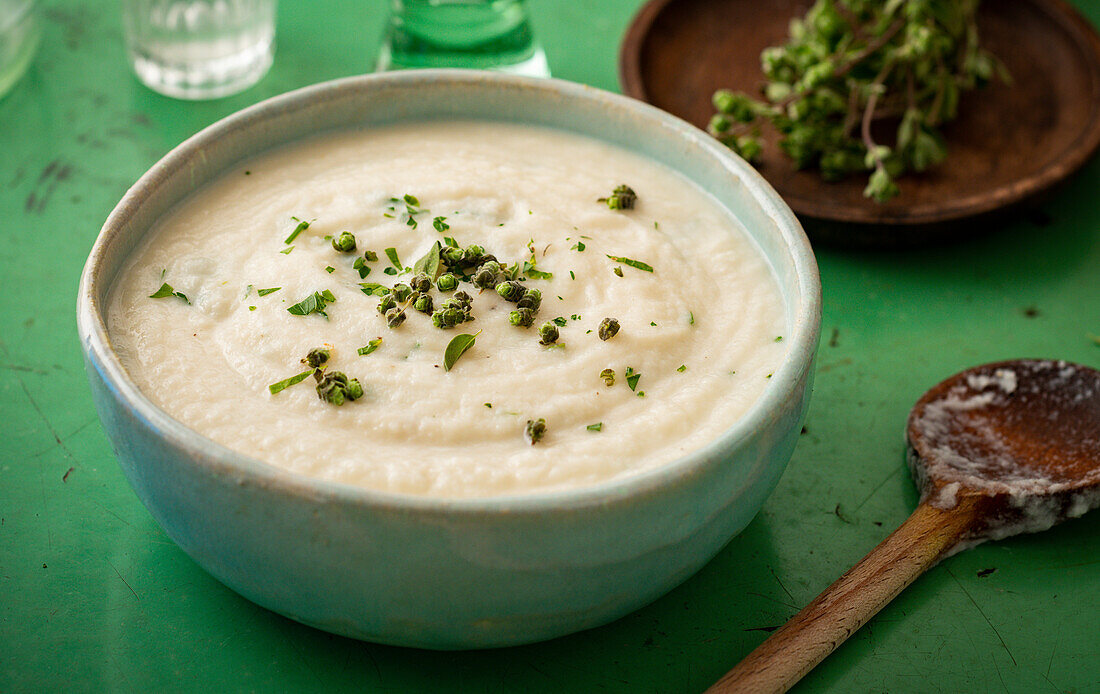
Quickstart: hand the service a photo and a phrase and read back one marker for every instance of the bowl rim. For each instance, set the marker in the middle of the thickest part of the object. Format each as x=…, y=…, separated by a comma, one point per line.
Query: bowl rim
x=802, y=341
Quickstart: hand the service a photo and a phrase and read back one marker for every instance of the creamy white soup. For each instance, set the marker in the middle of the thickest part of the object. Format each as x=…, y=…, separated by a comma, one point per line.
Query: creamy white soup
x=246, y=280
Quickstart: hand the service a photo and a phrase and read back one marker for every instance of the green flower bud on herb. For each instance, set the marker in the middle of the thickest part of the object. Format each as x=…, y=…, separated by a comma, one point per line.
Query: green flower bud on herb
x=386, y=303
x=608, y=376
x=316, y=357
x=511, y=290
x=354, y=389
x=488, y=275
x=531, y=299
x=333, y=387
x=401, y=292
x=473, y=254
x=548, y=333
x=395, y=317
x=534, y=431
x=609, y=327
x=622, y=198
x=446, y=282
x=423, y=303
x=421, y=283
x=522, y=317
x=448, y=317
x=451, y=256
x=345, y=242
x=370, y=256
x=465, y=300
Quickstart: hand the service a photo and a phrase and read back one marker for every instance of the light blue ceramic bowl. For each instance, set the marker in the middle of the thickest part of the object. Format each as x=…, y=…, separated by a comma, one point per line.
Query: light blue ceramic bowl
x=440, y=573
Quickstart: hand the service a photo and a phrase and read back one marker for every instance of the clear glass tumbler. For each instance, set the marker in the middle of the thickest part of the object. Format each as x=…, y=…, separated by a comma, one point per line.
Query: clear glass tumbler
x=481, y=34
x=199, y=49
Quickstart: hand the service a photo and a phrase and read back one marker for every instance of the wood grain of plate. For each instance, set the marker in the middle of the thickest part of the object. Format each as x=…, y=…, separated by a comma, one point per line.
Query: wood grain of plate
x=1009, y=144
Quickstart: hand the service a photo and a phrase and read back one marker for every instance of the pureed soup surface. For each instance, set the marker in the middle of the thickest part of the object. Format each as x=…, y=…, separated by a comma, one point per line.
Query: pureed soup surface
x=700, y=334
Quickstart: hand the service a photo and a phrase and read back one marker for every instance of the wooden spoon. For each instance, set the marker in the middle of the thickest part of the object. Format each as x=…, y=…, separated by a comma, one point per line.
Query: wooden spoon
x=996, y=450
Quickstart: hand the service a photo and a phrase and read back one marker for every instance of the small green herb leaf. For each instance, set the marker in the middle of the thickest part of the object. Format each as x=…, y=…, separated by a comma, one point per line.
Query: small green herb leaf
x=269, y=290
x=598, y=426
x=284, y=384
x=534, y=273
x=560, y=321
x=578, y=247
x=682, y=368
x=632, y=377
x=374, y=289
x=166, y=290
x=391, y=253
x=429, y=264
x=457, y=347
x=286, y=251
x=302, y=226
x=370, y=347
x=314, y=303
x=632, y=263
x=440, y=224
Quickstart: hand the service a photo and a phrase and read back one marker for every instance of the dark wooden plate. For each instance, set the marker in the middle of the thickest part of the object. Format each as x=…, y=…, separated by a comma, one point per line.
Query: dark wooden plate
x=1009, y=144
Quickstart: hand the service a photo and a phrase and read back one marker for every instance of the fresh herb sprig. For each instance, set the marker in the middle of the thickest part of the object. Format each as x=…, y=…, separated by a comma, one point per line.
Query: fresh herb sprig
x=849, y=64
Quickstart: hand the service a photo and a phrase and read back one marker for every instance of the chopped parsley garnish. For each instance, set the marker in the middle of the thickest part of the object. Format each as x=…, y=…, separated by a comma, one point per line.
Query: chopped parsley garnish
x=456, y=348
x=286, y=383
x=598, y=426
x=560, y=321
x=314, y=303
x=370, y=347
x=440, y=224
x=632, y=263
x=682, y=368
x=534, y=431
x=286, y=251
x=578, y=247
x=618, y=271
x=572, y=276
x=166, y=290
x=251, y=308
x=632, y=377
x=269, y=290
x=653, y=324
x=489, y=405
x=779, y=338
x=450, y=241
x=361, y=266
x=302, y=226
x=329, y=269
x=691, y=318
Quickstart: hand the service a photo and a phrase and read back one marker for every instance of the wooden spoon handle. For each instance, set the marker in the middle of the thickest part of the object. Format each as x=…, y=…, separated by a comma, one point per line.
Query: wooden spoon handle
x=847, y=604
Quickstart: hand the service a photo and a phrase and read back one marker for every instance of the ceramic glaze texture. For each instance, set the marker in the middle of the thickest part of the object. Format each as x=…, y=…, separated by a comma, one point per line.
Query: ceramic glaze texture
x=455, y=573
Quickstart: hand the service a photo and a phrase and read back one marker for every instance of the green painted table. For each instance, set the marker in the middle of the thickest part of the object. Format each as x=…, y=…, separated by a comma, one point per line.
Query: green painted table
x=96, y=597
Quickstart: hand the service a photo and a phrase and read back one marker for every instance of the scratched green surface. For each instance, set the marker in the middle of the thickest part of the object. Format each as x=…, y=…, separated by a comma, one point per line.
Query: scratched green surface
x=94, y=597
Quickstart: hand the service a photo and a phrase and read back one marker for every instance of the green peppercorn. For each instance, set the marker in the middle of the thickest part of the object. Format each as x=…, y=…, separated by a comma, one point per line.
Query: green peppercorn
x=446, y=282
x=423, y=303
x=370, y=256
x=531, y=299
x=511, y=290
x=535, y=430
x=548, y=333
x=421, y=283
x=401, y=292
x=609, y=327
x=354, y=389
x=608, y=376
x=316, y=357
x=345, y=242
x=522, y=317
x=386, y=303
x=395, y=317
